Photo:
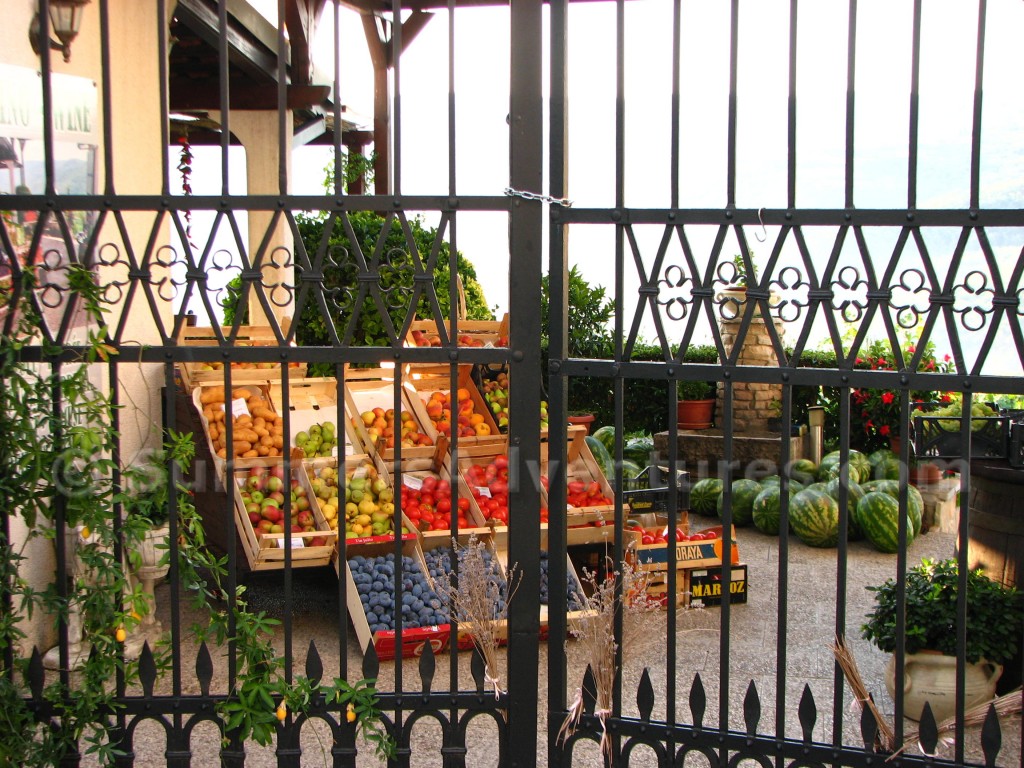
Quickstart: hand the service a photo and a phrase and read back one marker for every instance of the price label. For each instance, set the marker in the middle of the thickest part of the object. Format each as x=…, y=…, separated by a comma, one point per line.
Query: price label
x=239, y=408
x=298, y=543
x=415, y=483
x=484, y=491
x=359, y=472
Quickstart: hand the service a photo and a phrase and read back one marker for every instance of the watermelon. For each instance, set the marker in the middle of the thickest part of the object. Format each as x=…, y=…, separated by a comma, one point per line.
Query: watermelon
x=860, y=467
x=819, y=487
x=766, y=509
x=744, y=492
x=853, y=494
x=639, y=450
x=882, y=454
x=601, y=456
x=802, y=470
x=607, y=436
x=915, y=502
x=704, y=496
x=887, y=469
x=814, y=518
x=630, y=469
x=878, y=515
x=794, y=485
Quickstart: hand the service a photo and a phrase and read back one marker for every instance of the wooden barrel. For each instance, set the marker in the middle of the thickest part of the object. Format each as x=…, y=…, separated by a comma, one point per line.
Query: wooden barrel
x=996, y=537
x=996, y=529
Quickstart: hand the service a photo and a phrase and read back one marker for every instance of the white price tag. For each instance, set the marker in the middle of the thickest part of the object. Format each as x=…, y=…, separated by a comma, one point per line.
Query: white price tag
x=358, y=472
x=484, y=491
x=298, y=543
x=239, y=408
x=415, y=483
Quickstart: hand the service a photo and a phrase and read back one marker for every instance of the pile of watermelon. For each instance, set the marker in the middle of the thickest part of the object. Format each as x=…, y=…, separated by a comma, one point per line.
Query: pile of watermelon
x=871, y=496
x=636, y=453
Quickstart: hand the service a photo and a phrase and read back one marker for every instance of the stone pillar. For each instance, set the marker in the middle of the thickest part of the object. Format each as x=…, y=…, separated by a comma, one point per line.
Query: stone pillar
x=751, y=402
x=257, y=130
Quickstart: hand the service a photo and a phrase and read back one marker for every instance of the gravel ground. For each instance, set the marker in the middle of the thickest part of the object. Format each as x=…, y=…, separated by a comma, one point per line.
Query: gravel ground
x=752, y=656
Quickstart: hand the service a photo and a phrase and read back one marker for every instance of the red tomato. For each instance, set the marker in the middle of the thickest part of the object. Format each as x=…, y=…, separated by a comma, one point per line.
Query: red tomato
x=680, y=536
x=444, y=488
x=463, y=504
x=500, y=462
x=443, y=505
x=647, y=539
x=429, y=484
x=427, y=516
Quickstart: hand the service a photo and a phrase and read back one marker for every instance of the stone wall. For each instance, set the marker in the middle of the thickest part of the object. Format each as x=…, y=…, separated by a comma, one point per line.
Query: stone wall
x=752, y=402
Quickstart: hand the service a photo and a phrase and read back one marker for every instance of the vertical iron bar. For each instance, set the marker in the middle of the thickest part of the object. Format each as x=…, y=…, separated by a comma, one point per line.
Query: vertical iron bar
x=677, y=47
x=165, y=131
x=725, y=472
x=838, y=688
x=47, y=72
x=340, y=175
x=557, y=331
x=173, y=573
x=791, y=112
x=224, y=91
x=851, y=82
x=342, y=425
x=963, y=568
x=108, y=112
x=734, y=33
x=915, y=83
x=526, y=155
x=979, y=71
x=901, y=558
x=783, y=590
x=396, y=118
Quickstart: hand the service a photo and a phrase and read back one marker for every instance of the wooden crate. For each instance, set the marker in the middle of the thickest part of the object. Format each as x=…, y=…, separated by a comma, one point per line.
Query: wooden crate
x=471, y=333
x=220, y=463
x=427, y=380
x=197, y=374
x=266, y=551
x=415, y=640
x=352, y=465
x=582, y=467
x=483, y=455
x=314, y=401
x=704, y=585
x=414, y=479
x=369, y=389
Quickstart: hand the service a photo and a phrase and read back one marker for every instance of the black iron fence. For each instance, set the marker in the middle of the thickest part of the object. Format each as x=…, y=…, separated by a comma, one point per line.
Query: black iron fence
x=98, y=286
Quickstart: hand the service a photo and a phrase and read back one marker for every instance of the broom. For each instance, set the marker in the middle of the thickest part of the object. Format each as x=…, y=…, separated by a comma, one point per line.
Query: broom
x=885, y=740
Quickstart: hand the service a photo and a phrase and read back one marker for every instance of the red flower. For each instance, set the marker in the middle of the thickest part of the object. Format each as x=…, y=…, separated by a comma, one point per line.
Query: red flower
x=888, y=397
x=884, y=430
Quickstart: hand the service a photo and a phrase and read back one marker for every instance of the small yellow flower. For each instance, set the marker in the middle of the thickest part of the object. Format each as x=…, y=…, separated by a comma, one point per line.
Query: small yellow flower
x=350, y=713
x=282, y=711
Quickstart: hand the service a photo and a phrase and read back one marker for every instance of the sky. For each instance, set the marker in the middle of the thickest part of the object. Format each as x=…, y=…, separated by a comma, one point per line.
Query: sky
x=949, y=33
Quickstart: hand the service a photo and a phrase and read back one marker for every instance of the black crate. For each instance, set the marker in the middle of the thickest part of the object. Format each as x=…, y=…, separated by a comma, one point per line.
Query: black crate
x=648, y=491
x=933, y=437
x=705, y=585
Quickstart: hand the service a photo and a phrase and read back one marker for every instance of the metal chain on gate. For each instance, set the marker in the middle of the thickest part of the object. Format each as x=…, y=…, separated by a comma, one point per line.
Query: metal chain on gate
x=562, y=201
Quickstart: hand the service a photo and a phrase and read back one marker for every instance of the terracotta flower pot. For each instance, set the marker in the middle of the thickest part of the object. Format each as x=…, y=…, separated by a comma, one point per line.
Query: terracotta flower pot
x=925, y=474
x=695, y=414
x=584, y=420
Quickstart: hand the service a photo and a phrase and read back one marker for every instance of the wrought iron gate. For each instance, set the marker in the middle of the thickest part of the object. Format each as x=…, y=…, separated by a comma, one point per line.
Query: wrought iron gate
x=875, y=269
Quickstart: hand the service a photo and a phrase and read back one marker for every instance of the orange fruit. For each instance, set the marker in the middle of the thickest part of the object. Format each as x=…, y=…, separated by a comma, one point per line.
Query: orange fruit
x=282, y=711
x=350, y=713
x=120, y=635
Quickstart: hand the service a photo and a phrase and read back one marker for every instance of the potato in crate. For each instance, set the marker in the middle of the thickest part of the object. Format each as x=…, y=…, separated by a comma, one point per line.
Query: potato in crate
x=257, y=434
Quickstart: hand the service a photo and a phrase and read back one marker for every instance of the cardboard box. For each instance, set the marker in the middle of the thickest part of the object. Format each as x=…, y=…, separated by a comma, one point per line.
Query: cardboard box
x=369, y=389
x=266, y=551
x=705, y=585
x=198, y=374
x=315, y=401
x=415, y=640
x=689, y=554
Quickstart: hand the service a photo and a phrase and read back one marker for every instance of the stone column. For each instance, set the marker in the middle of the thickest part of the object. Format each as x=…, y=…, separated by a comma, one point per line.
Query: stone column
x=257, y=130
x=751, y=402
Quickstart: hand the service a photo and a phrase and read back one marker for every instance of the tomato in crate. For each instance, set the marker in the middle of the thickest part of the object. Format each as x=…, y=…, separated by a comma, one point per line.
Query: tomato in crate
x=429, y=507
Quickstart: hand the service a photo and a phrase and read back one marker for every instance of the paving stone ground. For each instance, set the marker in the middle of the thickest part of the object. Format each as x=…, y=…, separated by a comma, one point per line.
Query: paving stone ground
x=810, y=616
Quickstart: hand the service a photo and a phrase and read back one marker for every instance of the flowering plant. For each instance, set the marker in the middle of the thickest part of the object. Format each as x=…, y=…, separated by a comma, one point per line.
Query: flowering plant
x=875, y=413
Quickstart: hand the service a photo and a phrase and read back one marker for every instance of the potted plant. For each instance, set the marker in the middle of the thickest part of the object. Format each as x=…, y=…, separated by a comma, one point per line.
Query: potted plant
x=696, y=406
x=581, y=418
x=775, y=420
x=994, y=624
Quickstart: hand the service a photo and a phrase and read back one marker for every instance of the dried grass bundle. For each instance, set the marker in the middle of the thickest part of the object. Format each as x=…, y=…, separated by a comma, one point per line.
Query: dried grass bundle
x=1006, y=705
x=479, y=599
x=594, y=630
x=885, y=740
